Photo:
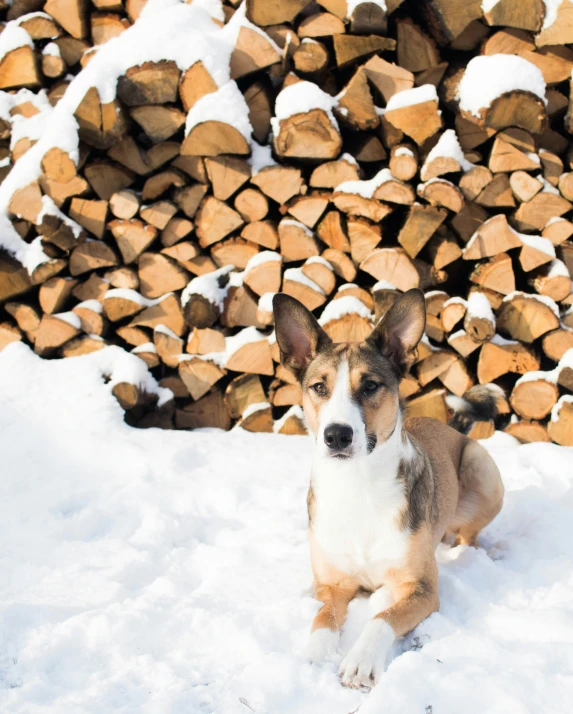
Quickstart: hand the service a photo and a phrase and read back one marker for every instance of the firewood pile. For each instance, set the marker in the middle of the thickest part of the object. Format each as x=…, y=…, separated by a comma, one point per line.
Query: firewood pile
x=166, y=168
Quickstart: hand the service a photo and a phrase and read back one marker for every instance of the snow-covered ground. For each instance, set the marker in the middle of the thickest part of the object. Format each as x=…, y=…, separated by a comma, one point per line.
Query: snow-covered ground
x=167, y=572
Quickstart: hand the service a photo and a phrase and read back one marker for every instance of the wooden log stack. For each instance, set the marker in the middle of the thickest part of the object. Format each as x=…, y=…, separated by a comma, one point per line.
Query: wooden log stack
x=349, y=151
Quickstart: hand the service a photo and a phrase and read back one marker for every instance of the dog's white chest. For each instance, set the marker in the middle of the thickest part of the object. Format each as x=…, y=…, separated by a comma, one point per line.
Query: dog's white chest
x=356, y=522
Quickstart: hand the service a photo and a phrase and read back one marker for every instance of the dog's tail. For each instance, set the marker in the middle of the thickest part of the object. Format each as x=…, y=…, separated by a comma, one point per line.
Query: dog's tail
x=480, y=403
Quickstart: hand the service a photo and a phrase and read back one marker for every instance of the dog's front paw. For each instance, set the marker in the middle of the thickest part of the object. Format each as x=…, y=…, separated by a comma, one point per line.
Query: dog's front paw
x=321, y=645
x=363, y=665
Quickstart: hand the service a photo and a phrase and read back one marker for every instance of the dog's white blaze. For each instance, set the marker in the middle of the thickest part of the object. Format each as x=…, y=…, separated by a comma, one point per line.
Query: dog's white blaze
x=341, y=409
x=357, y=511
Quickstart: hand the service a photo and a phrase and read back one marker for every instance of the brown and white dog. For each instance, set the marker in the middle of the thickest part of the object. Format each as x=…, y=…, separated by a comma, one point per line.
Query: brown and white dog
x=384, y=490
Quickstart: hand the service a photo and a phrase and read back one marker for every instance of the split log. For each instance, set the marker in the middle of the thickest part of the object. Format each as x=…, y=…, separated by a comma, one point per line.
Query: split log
x=526, y=317
x=533, y=398
x=560, y=427
x=309, y=135
x=199, y=375
x=528, y=432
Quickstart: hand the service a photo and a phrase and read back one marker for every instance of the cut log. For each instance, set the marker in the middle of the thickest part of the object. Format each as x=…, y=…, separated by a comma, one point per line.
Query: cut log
x=421, y=224
x=251, y=205
x=492, y=238
x=100, y=125
x=296, y=241
x=320, y=271
x=500, y=357
x=497, y=274
x=252, y=358
x=355, y=205
x=55, y=331
x=91, y=256
x=165, y=311
x=19, y=68
x=227, y=174
x=280, y=183
x=535, y=214
x=55, y=293
x=199, y=375
x=341, y=264
x=553, y=280
x=309, y=135
x=554, y=343
x=159, y=275
x=533, y=398
x=388, y=78
x=393, y=266
x=263, y=273
x=356, y=106
x=439, y=192
x=524, y=186
x=195, y=84
x=528, y=432
x=204, y=341
x=560, y=427
x=210, y=411
x=233, y=251
x=242, y=392
x=213, y=138
x=310, y=58
x=215, y=220
x=525, y=317
x=416, y=51
x=350, y=48
x=175, y=231
x=404, y=161
x=432, y=404
x=253, y=51
x=419, y=120
x=302, y=288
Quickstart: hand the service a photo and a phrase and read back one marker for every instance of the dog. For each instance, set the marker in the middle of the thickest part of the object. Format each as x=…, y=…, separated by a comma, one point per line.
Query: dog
x=384, y=489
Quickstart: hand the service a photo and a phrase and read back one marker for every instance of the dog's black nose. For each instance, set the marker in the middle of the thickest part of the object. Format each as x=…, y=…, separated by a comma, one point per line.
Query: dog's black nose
x=338, y=436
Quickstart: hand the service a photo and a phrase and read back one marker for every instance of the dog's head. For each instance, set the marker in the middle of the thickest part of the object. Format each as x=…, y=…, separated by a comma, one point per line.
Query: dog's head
x=350, y=390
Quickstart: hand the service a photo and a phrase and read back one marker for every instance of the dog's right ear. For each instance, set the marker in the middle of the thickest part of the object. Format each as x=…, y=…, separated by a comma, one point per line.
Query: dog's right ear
x=299, y=336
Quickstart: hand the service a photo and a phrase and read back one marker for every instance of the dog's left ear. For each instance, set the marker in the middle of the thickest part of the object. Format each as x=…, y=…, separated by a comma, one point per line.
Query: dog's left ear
x=399, y=331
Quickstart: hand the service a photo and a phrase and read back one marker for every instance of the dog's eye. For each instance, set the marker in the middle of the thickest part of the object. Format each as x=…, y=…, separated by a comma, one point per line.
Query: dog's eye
x=319, y=388
x=370, y=386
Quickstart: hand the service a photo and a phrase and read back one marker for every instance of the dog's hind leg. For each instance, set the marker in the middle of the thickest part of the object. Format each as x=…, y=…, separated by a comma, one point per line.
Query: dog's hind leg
x=481, y=494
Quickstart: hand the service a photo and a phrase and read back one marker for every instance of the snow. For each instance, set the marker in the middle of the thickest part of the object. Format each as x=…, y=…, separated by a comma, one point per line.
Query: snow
x=70, y=317
x=320, y=260
x=353, y=4
x=488, y=5
x=349, y=159
x=448, y=146
x=49, y=208
x=478, y=306
x=543, y=245
x=297, y=276
x=555, y=219
x=366, y=189
x=52, y=49
x=266, y=302
x=295, y=410
x=545, y=299
x=145, y=347
x=298, y=224
x=264, y=256
x=160, y=572
x=404, y=151
x=383, y=285
x=347, y=286
x=164, y=330
x=133, y=296
x=489, y=76
x=93, y=305
x=408, y=97
x=455, y=301
x=566, y=398
x=208, y=286
x=226, y=105
x=261, y=157
x=551, y=8
x=245, y=337
x=253, y=408
x=12, y=38
x=501, y=341
x=557, y=268
x=300, y=98
x=547, y=187
x=346, y=305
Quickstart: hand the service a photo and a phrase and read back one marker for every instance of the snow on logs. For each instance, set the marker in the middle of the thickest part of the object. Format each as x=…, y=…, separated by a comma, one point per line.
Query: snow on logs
x=157, y=191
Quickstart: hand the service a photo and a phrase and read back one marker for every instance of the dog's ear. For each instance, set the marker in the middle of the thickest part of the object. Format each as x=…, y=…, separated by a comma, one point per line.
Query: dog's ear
x=399, y=331
x=299, y=336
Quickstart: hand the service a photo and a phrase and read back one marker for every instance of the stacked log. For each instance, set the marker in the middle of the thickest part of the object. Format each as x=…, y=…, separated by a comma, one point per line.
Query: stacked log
x=339, y=151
